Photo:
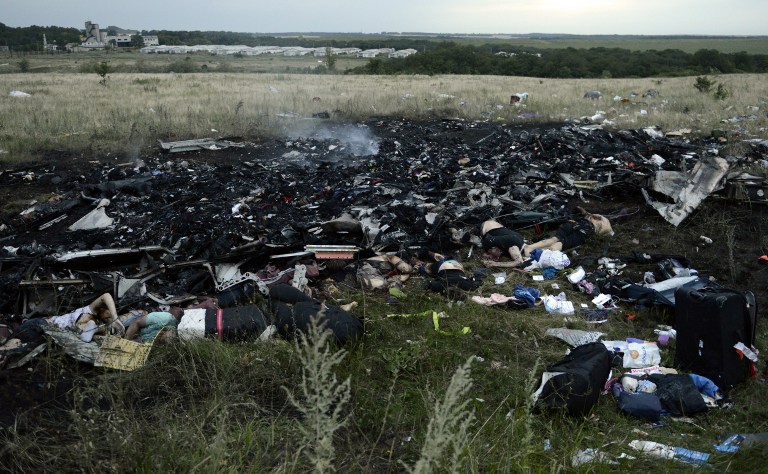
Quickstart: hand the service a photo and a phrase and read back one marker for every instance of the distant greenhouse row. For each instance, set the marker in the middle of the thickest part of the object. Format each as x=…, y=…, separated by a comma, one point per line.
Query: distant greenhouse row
x=277, y=50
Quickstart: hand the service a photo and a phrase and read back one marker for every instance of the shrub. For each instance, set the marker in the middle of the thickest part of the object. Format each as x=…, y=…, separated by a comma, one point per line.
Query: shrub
x=721, y=93
x=703, y=84
x=449, y=426
x=102, y=69
x=23, y=65
x=183, y=66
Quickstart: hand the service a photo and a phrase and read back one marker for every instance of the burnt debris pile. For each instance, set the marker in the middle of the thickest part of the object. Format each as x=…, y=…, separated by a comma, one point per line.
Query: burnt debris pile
x=212, y=216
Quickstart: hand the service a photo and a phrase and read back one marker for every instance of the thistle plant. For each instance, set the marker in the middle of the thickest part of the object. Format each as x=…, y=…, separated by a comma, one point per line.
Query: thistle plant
x=447, y=432
x=321, y=398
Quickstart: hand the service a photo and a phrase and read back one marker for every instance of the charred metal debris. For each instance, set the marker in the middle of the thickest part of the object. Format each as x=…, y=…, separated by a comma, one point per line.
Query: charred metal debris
x=233, y=217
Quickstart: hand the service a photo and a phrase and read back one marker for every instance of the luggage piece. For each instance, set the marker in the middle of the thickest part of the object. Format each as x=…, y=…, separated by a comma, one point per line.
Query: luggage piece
x=576, y=381
x=641, y=405
x=678, y=394
x=709, y=322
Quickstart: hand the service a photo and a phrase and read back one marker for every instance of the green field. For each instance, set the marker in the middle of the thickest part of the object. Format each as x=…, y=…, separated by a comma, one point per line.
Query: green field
x=751, y=45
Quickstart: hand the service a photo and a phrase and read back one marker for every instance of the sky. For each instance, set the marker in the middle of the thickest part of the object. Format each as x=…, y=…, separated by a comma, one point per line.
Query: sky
x=640, y=17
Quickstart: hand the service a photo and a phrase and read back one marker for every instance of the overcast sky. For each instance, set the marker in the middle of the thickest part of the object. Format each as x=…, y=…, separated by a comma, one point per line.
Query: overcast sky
x=645, y=17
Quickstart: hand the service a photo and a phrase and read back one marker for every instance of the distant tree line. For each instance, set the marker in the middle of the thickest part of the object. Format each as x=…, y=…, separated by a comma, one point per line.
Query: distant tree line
x=438, y=56
x=452, y=58
x=30, y=38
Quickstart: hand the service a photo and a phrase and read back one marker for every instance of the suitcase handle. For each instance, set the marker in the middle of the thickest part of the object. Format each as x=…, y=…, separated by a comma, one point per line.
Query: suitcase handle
x=696, y=296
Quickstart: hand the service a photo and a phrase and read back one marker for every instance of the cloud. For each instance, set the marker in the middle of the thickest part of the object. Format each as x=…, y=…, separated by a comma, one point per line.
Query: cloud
x=650, y=17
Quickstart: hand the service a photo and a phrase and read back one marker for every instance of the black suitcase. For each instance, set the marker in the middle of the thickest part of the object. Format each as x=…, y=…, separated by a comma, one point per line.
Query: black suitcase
x=580, y=378
x=709, y=322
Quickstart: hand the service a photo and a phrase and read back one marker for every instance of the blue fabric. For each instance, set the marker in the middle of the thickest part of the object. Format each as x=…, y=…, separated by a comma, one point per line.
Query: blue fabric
x=549, y=272
x=155, y=322
x=704, y=385
x=536, y=254
x=528, y=295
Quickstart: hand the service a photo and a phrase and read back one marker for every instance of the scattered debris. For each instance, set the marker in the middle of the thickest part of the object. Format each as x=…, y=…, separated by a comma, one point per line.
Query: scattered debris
x=199, y=144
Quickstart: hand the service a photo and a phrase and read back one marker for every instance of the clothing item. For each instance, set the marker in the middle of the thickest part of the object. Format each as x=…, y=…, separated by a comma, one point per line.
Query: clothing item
x=69, y=320
x=494, y=299
x=575, y=233
x=529, y=295
x=502, y=238
x=156, y=321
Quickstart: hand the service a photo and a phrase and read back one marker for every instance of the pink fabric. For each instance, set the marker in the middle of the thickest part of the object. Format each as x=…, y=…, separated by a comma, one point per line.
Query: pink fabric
x=494, y=299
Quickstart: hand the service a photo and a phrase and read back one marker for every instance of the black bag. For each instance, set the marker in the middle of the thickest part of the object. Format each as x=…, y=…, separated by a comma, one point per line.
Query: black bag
x=641, y=405
x=709, y=322
x=678, y=394
x=583, y=374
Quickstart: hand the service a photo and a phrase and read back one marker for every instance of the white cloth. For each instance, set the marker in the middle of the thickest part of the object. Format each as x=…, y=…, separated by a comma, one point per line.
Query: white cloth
x=192, y=325
x=554, y=258
x=69, y=320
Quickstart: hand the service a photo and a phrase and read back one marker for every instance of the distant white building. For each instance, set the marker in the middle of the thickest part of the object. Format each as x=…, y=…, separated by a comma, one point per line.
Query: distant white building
x=289, y=51
x=297, y=51
x=124, y=40
x=402, y=53
x=118, y=41
x=372, y=53
x=320, y=52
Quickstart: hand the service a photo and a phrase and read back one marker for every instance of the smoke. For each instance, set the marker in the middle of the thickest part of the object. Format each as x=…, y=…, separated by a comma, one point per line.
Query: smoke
x=357, y=140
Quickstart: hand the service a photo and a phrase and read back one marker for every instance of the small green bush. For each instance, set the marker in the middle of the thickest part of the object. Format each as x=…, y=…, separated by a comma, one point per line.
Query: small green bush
x=703, y=84
x=721, y=93
x=23, y=65
x=102, y=69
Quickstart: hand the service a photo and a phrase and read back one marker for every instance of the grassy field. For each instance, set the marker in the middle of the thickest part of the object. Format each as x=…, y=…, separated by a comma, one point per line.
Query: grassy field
x=74, y=112
x=751, y=45
x=132, y=61
x=407, y=398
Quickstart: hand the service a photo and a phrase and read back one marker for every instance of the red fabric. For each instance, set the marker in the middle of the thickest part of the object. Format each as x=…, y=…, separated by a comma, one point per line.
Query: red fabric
x=220, y=324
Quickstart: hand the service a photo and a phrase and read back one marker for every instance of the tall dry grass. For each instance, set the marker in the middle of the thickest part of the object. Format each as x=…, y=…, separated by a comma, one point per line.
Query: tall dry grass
x=321, y=398
x=72, y=111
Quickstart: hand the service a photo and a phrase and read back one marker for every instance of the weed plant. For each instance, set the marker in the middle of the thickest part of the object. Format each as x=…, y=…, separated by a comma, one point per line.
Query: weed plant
x=321, y=398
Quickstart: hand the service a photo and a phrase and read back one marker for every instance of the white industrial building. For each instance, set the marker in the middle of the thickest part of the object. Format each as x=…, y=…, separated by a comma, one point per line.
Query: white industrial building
x=289, y=51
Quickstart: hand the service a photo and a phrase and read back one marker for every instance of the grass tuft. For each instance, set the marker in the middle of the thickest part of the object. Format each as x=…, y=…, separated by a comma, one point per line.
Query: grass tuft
x=321, y=398
x=447, y=434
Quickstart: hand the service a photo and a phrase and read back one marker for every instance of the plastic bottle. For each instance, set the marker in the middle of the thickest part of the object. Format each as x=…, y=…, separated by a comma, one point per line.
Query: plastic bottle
x=670, y=452
x=691, y=456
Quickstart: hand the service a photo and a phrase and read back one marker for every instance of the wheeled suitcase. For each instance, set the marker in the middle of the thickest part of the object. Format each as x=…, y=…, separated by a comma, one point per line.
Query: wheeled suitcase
x=709, y=322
